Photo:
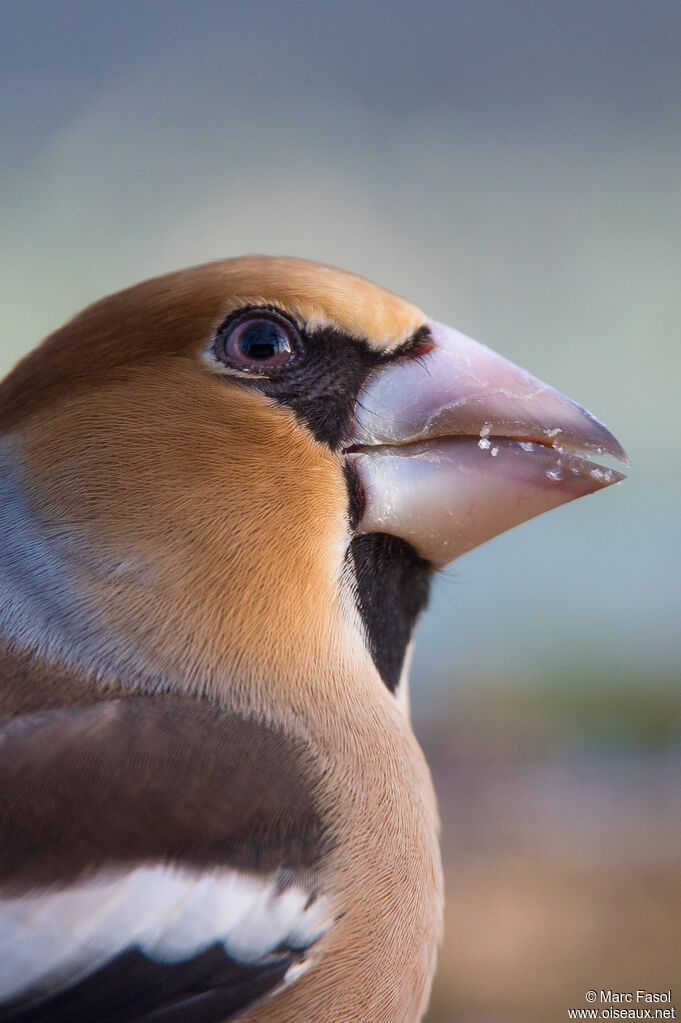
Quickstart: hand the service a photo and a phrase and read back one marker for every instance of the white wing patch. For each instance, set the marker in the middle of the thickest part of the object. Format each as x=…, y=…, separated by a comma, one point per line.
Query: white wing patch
x=54, y=938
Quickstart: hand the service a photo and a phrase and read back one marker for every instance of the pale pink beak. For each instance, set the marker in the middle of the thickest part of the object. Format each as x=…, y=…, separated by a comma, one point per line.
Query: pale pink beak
x=458, y=445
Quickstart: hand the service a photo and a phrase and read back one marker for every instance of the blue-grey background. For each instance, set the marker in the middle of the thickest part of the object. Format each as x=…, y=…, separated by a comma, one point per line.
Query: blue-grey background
x=514, y=168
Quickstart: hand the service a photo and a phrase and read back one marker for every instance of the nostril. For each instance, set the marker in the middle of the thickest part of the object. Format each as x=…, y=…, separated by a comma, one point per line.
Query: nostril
x=419, y=344
x=421, y=348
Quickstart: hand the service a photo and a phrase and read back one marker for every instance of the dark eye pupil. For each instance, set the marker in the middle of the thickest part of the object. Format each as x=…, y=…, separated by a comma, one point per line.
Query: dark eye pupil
x=258, y=342
x=263, y=341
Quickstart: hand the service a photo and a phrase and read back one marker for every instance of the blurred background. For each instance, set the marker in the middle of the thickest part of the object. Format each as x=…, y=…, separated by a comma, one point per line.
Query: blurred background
x=514, y=169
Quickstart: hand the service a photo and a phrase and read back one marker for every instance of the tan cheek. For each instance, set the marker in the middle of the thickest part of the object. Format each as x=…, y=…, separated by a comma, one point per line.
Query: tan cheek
x=217, y=500
x=172, y=442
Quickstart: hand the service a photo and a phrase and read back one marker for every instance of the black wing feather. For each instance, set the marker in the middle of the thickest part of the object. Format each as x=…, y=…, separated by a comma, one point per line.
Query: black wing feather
x=209, y=988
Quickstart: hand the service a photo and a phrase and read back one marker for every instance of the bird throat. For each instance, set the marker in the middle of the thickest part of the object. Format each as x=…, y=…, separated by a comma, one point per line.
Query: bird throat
x=392, y=585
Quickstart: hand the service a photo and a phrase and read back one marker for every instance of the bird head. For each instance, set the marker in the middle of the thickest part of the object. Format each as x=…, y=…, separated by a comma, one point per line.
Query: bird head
x=251, y=469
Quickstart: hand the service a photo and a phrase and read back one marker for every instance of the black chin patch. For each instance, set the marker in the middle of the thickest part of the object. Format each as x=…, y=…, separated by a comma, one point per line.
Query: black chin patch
x=392, y=586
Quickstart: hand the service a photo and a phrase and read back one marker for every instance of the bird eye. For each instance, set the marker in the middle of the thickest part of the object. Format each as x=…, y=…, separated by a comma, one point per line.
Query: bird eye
x=256, y=342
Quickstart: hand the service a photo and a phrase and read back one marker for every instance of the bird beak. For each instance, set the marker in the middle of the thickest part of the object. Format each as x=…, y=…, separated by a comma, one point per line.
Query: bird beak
x=457, y=444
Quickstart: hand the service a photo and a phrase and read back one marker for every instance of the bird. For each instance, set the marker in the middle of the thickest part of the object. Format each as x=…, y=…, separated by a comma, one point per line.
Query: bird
x=224, y=494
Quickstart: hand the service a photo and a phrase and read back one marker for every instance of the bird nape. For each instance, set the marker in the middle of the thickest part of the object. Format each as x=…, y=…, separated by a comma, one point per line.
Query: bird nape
x=224, y=494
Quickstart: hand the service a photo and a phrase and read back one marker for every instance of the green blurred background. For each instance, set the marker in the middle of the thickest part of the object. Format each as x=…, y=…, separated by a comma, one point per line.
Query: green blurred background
x=515, y=169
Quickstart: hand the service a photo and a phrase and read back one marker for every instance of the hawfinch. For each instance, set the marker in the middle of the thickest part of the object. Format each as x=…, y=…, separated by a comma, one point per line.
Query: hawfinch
x=224, y=494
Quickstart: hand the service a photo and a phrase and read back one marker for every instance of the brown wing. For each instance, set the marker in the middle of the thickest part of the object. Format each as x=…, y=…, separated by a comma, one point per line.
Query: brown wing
x=158, y=857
